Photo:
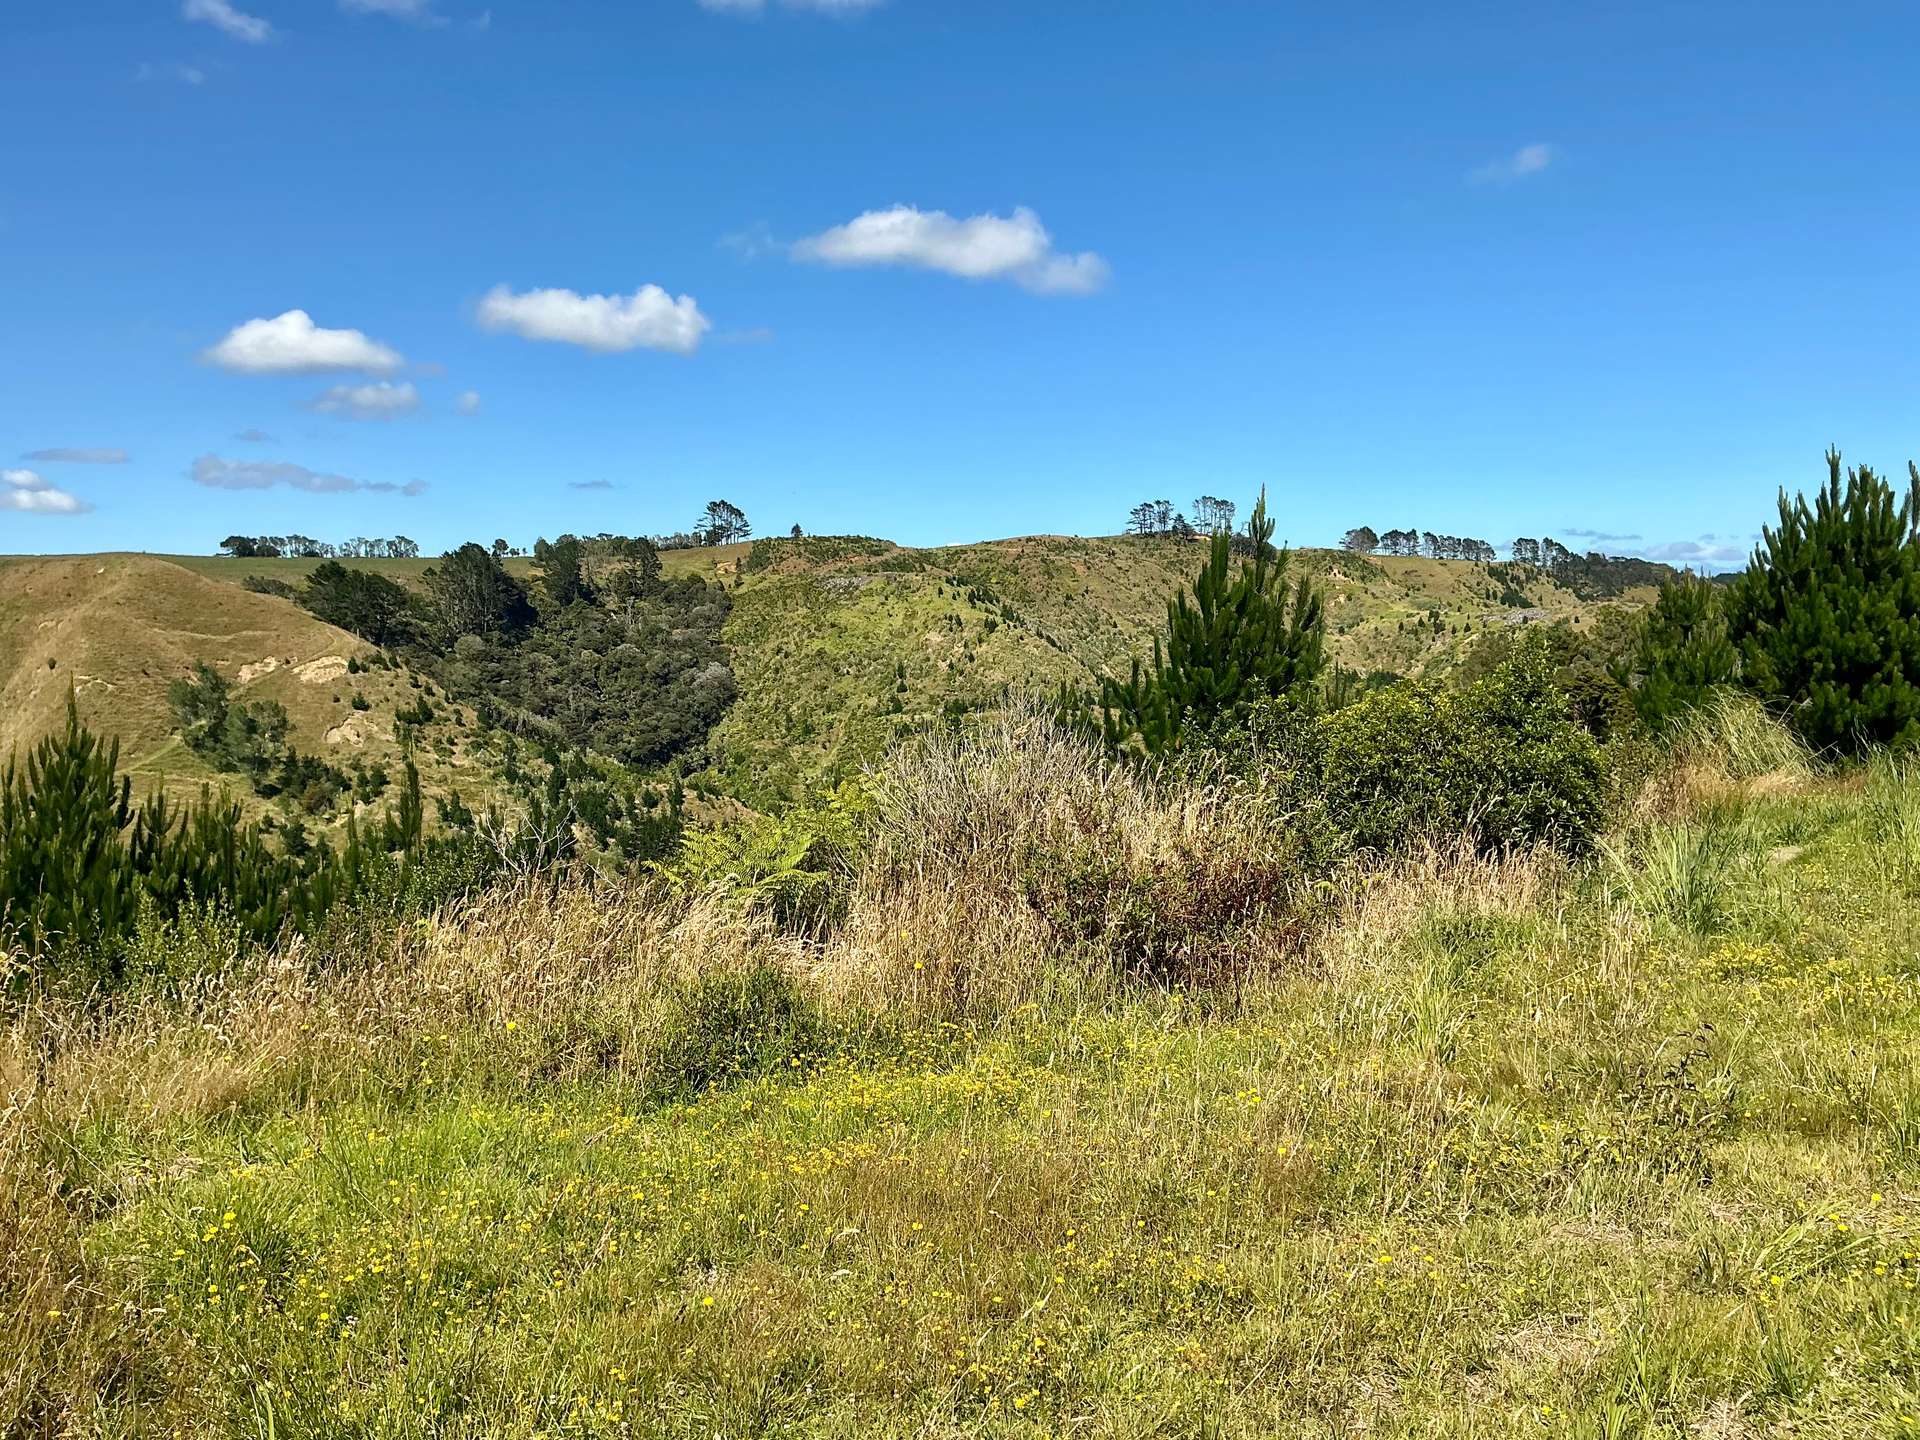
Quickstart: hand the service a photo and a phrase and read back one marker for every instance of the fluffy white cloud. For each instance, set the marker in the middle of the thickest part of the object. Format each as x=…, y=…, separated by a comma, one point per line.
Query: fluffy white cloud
x=219, y=474
x=468, y=403
x=291, y=344
x=25, y=491
x=222, y=16
x=65, y=455
x=1527, y=160
x=985, y=247
x=420, y=12
x=647, y=318
x=381, y=400
x=822, y=7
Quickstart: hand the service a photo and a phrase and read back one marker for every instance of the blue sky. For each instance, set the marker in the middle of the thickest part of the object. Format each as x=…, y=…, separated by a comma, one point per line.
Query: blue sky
x=941, y=271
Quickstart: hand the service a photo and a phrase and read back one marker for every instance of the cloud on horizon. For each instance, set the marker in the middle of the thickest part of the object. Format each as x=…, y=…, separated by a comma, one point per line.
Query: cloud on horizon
x=1699, y=554
x=1601, y=535
x=417, y=12
x=219, y=474
x=647, y=319
x=590, y=485
x=173, y=70
x=222, y=16
x=1527, y=161
x=291, y=344
x=27, y=493
x=818, y=7
x=982, y=247
x=380, y=400
x=81, y=455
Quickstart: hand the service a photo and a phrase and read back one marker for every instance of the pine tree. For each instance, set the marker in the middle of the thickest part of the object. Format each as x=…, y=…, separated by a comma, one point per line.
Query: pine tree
x=1827, y=616
x=1683, y=653
x=1239, y=638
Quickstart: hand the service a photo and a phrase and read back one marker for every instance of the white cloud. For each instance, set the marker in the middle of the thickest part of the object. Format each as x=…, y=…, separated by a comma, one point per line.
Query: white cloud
x=185, y=74
x=381, y=400
x=1528, y=160
x=291, y=344
x=984, y=247
x=820, y=7
x=1699, y=555
x=420, y=12
x=649, y=317
x=255, y=437
x=222, y=16
x=219, y=474
x=25, y=491
x=65, y=455
x=468, y=403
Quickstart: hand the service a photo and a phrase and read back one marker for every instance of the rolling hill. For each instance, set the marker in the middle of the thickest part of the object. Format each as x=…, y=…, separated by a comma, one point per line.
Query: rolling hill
x=838, y=644
x=115, y=630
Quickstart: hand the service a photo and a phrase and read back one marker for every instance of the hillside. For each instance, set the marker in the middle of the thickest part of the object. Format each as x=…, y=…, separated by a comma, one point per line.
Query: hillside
x=116, y=630
x=838, y=645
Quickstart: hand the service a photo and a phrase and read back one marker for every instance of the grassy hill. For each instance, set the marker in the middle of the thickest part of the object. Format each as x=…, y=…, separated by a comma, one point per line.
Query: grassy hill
x=838, y=645
x=116, y=630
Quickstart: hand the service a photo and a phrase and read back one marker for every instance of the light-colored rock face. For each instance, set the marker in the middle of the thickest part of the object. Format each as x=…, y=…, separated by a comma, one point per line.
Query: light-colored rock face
x=251, y=673
x=347, y=733
x=323, y=671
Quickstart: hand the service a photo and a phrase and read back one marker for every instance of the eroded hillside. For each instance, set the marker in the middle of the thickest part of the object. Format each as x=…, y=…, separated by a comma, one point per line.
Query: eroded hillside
x=115, y=630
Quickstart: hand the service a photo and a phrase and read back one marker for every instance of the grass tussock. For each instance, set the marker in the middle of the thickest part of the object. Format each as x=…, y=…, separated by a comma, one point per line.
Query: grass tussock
x=1471, y=1146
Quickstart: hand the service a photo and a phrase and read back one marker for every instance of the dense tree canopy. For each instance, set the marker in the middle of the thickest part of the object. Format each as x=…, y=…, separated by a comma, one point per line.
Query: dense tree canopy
x=1827, y=616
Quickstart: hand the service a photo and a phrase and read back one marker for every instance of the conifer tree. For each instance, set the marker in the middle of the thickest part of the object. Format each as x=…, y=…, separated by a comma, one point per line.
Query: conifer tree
x=1240, y=637
x=1827, y=616
x=1683, y=653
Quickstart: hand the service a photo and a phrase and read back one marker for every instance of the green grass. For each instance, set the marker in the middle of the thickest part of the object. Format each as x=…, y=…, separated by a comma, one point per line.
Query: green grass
x=841, y=645
x=1511, y=1150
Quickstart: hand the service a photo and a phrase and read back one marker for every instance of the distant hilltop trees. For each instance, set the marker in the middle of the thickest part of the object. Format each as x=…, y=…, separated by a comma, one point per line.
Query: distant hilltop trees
x=1211, y=516
x=1590, y=576
x=1366, y=541
x=305, y=547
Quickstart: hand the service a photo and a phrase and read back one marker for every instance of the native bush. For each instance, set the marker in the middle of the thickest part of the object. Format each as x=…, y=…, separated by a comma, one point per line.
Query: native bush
x=795, y=865
x=1503, y=762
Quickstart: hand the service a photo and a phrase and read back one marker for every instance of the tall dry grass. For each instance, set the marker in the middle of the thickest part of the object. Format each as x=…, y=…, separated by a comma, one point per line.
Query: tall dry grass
x=1020, y=862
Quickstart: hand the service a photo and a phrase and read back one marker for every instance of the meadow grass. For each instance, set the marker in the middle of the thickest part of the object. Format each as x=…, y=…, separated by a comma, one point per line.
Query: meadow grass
x=1499, y=1146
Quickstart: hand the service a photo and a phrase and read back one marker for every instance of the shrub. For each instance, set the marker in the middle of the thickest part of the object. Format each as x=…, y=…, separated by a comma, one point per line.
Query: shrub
x=1683, y=656
x=795, y=865
x=726, y=1027
x=1503, y=762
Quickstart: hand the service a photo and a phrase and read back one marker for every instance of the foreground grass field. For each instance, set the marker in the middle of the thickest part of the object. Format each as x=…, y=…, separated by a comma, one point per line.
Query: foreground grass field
x=1492, y=1148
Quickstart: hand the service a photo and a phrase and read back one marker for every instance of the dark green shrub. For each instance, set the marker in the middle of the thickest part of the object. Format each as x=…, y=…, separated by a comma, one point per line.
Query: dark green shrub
x=1503, y=762
x=1683, y=654
x=728, y=1027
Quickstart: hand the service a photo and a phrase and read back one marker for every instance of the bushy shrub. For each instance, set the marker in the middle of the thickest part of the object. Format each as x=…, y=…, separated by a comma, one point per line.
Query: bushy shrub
x=796, y=865
x=725, y=1027
x=1502, y=762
